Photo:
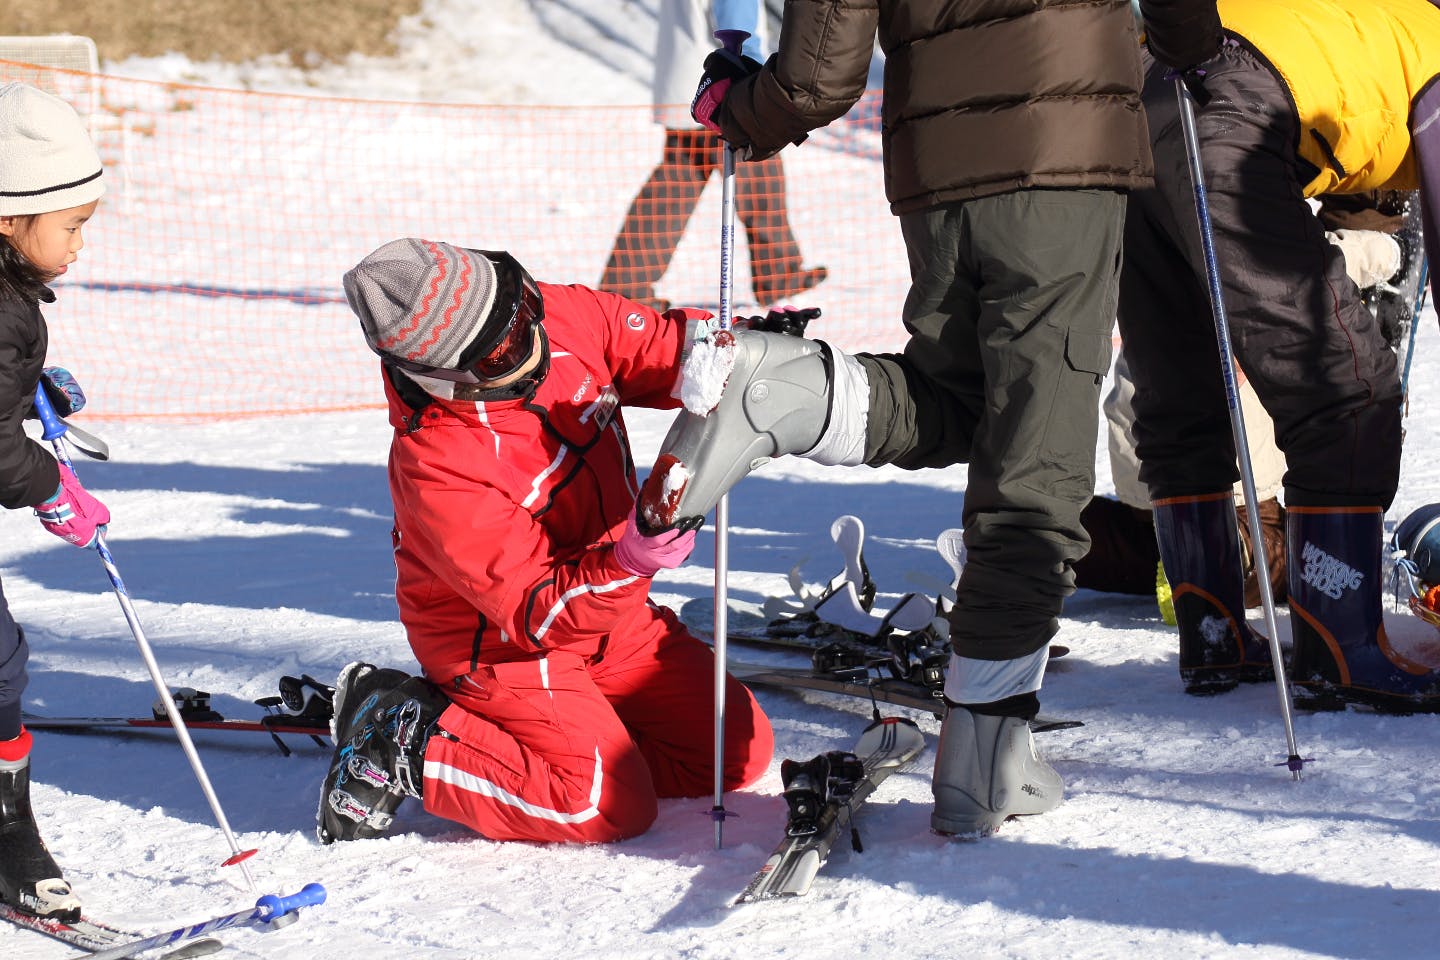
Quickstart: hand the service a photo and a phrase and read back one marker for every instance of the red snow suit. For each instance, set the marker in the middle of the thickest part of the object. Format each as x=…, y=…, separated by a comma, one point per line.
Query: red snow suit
x=576, y=701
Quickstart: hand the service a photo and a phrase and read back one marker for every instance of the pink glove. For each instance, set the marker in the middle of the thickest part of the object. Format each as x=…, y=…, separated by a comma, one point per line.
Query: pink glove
x=722, y=68
x=72, y=514
x=707, y=102
x=644, y=555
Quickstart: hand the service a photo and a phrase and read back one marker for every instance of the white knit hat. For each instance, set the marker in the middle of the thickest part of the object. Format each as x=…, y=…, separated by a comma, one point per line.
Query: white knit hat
x=47, y=161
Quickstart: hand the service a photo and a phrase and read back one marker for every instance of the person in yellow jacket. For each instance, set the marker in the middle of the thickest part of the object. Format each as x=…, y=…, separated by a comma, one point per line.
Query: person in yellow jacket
x=1293, y=99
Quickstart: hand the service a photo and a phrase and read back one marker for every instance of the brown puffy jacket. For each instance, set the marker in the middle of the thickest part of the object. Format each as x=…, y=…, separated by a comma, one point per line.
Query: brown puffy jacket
x=981, y=97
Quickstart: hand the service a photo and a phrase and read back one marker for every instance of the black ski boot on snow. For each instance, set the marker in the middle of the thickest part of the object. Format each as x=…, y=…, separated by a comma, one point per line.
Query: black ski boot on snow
x=383, y=719
x=29, y=877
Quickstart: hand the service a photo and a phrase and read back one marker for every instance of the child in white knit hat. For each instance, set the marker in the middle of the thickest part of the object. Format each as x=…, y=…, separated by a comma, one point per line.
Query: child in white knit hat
x=50, y=185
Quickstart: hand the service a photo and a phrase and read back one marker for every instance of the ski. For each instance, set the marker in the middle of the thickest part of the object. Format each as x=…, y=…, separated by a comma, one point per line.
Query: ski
x=316, y=730
x=94, y=935
x=307, y=712
x=823, y=796
x=866, y=684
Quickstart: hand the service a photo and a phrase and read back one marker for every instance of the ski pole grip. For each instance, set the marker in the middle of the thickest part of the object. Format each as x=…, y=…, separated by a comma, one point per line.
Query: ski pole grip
x=732, y=40
x=53, y=427
x=310, y=895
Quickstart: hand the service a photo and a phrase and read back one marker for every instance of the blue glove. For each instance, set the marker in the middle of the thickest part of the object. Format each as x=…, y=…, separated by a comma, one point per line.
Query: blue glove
x=63, y=390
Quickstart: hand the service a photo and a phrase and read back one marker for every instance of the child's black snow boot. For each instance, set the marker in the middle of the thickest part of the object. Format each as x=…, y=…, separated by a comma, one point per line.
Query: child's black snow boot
x=29, y=877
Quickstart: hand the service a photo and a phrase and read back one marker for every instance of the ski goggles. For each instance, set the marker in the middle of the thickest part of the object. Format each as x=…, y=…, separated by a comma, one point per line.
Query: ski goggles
x=517, y=311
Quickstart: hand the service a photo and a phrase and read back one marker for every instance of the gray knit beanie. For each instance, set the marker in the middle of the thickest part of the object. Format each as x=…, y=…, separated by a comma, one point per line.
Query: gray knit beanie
x=47, y=161
x=422, y=301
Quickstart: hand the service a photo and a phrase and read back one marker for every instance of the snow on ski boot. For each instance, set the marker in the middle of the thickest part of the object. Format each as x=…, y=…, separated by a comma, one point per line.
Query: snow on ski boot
x=383, y=720
x=1199, y=541
x=1347, y=648
x=30, y=879
x=779, y=397
x=986, y=771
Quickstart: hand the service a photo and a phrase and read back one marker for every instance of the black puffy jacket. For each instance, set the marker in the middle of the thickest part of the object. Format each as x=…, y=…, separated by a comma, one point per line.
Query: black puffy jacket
x=28, y=472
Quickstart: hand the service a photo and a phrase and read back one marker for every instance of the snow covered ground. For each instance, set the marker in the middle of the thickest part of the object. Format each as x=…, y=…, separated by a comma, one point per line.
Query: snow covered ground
x=260, y=548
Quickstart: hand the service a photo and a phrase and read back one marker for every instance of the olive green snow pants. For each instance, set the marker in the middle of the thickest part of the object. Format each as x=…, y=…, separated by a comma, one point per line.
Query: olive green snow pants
x=1010, y=313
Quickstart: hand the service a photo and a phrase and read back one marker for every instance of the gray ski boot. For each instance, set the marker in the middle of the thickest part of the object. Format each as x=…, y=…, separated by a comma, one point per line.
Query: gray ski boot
x=29, y=877
x=383, y=720
x=778, y=399
x=986, y=771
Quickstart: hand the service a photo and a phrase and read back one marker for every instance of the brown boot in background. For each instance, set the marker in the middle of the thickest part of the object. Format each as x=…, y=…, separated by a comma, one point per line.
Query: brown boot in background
x=1272, y=532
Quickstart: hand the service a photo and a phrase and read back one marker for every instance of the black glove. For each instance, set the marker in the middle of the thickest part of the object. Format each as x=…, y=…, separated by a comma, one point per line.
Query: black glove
x=1182, y=34
x=787, y=320
x=722, y=68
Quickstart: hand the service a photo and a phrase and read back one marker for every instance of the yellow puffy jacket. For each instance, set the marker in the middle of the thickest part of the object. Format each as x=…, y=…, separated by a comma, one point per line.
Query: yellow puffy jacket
x=1353, y=67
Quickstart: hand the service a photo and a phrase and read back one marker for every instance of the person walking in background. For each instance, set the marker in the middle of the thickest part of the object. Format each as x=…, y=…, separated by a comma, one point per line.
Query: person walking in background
x=659, y=213
x=50, y=186
x=558, y=702
x=1009, y=174
x=1293, y=99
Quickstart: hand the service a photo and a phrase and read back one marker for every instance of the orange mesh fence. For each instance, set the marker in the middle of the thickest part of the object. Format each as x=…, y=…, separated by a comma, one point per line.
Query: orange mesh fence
x=210, y=282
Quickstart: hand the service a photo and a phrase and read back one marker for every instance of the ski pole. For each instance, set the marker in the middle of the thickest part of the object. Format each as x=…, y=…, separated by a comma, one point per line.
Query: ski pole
x=54, y=429
x=1237, y=418
x=267, y=911
x=1415, y=308
x=731, y=40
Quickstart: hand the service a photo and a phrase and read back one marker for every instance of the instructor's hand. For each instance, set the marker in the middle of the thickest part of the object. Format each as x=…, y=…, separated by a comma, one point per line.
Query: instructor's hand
x=644, y=555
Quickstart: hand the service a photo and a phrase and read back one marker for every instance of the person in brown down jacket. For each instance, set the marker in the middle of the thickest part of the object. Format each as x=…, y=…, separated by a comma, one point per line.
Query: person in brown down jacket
x=1012, y=131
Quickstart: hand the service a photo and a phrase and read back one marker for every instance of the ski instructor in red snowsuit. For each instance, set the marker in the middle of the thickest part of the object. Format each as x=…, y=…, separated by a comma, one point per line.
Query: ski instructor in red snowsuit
x=558, y=703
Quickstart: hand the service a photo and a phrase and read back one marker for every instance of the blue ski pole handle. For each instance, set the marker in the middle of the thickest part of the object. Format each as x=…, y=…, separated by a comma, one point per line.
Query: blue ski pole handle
x=52, y=427
x=267, y=910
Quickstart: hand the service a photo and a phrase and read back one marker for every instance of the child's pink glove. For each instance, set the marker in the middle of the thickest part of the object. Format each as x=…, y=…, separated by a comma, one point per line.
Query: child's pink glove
x=644, y=555
x=72, y=514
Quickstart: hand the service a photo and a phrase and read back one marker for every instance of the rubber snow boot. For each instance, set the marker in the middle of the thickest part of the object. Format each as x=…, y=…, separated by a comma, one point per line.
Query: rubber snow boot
x=383, y=720
x=30, y=879
x=783, y=395
x=986, y=771
x=1199, y=540
x=1347, y=648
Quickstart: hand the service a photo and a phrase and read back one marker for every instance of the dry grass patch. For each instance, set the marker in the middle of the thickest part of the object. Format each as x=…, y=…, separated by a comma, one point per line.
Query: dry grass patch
x=228, y=30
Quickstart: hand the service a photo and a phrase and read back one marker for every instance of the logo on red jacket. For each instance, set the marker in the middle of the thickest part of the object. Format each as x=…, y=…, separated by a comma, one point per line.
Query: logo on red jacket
x=635, y=321
x=604, y=407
